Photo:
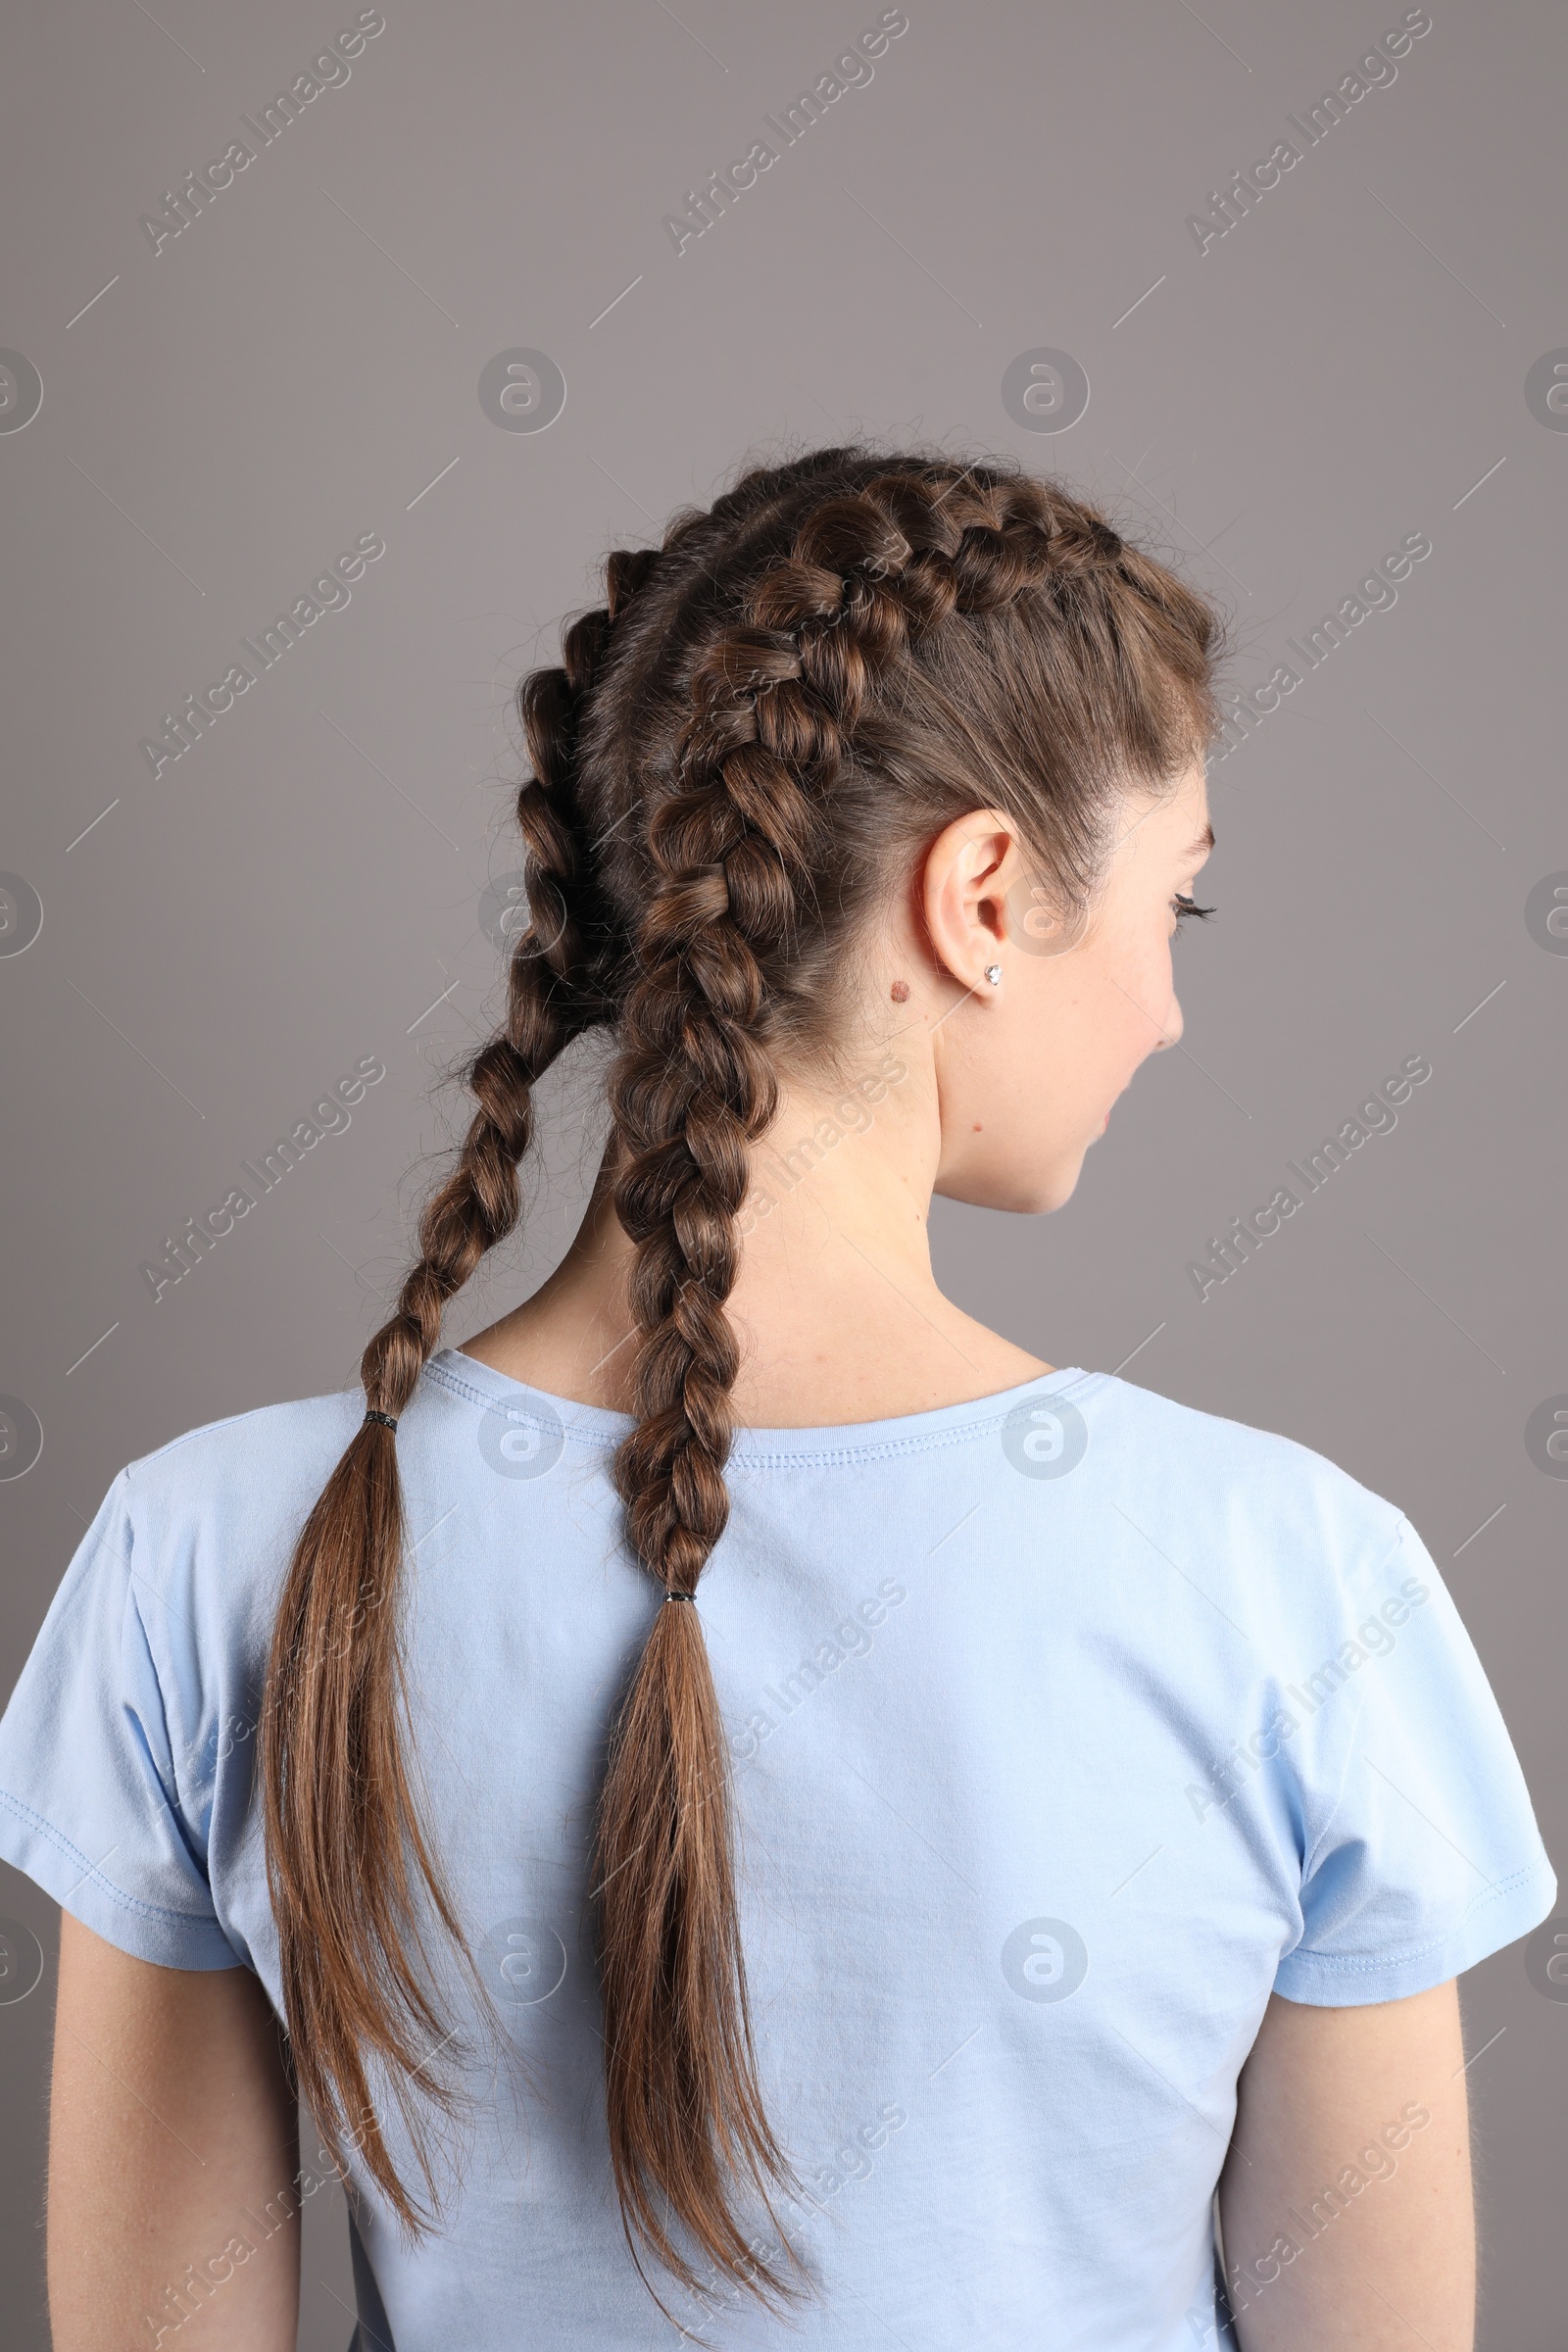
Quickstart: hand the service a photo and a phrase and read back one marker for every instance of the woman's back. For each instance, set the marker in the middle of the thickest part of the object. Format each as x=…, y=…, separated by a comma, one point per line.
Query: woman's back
x=1014, y=1891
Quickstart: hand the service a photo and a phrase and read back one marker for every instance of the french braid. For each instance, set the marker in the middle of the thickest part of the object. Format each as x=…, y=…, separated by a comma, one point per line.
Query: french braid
x=776, y=698
x=735, y=761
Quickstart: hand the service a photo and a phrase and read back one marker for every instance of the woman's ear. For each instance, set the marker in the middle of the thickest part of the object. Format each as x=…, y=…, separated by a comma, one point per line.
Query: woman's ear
x=968, y=870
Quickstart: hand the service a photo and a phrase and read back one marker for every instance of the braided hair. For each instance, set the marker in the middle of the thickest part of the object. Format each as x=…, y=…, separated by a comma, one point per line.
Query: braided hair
x=735, y=759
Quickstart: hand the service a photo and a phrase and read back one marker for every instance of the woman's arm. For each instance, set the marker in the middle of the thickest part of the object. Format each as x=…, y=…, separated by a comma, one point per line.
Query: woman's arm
x=171, y=2114
x=1346, y=2201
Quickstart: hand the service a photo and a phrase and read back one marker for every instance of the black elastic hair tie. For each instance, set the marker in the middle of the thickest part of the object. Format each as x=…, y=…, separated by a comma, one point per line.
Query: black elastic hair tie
x=671, y=1595
x=371, y=1414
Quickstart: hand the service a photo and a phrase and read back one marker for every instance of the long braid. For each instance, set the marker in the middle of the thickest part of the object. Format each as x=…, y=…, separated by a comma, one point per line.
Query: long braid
x=690, y=1092
x=340, y=1814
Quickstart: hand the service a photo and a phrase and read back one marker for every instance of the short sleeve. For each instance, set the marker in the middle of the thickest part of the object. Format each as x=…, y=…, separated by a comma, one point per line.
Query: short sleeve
x=1429, y=1857
x=89, y=1805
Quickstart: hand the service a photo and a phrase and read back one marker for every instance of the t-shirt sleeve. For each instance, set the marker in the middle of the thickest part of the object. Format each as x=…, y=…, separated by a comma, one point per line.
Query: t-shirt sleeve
x=89, y=1801
x=1426, y=1856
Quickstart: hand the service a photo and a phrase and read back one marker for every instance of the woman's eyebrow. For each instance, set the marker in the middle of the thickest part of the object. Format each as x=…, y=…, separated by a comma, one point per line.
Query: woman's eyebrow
x=1204, y=841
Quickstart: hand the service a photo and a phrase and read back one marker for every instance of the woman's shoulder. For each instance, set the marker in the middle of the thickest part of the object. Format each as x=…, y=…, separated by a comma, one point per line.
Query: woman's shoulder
x=242, y=1460
x=1262, y=1512
x=222, y=1504
x=1247, y=1449
x=204, y=1525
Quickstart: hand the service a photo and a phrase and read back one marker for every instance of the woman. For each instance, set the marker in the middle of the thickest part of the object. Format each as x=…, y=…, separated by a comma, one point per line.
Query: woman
x=761, y=1802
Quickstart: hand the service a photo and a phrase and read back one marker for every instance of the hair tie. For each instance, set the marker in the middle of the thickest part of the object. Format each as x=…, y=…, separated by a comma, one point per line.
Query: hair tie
x=673, y=1595
x=371, y=1414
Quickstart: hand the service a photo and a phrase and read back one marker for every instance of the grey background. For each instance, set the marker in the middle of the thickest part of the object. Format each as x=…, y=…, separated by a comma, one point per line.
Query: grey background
x=303, y=886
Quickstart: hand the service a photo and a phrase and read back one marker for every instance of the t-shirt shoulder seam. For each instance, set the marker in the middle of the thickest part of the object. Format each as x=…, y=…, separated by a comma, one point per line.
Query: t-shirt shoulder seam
x=1362, y=1574
x=133, y=1903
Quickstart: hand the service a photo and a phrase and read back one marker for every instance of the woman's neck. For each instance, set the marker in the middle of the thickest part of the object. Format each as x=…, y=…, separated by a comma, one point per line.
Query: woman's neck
x=835, y=1304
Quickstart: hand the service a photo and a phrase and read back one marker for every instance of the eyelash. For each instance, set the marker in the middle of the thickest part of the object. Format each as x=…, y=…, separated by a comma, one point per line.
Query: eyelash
x=1185, y=906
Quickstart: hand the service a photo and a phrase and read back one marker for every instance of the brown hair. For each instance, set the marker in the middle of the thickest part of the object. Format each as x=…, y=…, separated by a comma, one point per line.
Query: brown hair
x=736, y=758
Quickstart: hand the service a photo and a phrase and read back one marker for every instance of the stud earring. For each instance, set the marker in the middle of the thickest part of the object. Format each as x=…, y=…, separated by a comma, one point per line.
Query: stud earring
x=993, y=974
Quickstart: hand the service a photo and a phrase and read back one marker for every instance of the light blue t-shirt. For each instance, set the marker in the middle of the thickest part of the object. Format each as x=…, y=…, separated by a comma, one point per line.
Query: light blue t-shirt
x=1067, y=1726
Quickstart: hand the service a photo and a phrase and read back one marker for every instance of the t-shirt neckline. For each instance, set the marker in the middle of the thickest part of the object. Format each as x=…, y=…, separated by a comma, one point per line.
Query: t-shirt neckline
x=465, y=1374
